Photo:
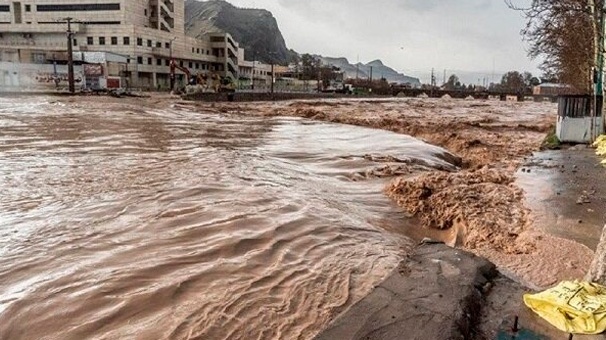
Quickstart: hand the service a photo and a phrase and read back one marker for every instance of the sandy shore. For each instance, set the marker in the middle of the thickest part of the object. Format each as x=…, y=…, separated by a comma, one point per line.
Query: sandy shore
x=480, y=206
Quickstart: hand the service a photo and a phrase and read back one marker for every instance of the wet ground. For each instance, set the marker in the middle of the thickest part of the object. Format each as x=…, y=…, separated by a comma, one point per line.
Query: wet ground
x=566, y=190
x=151, y=222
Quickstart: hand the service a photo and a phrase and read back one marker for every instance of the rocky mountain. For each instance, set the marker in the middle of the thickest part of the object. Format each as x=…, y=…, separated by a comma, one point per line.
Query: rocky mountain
x=379, y=70
x=255, y=29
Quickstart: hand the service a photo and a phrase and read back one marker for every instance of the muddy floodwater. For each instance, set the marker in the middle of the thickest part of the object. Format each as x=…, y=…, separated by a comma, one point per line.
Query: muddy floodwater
x=124, y=222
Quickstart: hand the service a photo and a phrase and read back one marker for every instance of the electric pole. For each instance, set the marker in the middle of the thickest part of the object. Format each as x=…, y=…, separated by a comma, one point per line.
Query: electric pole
x=170, y=57
x=70, y=56
x=371, y=76
x=273, y=77
x=433, y=81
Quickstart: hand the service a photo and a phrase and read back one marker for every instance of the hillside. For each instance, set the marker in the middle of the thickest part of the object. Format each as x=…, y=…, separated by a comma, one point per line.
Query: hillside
x=255, y=29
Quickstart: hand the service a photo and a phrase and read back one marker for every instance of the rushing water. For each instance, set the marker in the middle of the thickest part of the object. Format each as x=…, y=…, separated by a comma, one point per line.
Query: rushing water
x=125, y=223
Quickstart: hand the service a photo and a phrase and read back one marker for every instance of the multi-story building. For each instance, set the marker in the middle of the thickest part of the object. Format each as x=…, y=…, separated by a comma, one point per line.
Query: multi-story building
x=148, y=32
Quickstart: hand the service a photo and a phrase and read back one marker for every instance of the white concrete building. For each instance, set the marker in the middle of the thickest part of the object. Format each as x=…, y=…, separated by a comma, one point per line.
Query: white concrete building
x=147, y=32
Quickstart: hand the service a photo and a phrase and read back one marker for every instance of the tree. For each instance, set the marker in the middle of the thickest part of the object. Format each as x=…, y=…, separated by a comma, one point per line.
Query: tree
x=568, y=53
x=513, y=81
x=310, y=66
x=452, y=82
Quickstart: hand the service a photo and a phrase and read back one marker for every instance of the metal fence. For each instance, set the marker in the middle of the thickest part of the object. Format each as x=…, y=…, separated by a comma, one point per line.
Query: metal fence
x=579, y=106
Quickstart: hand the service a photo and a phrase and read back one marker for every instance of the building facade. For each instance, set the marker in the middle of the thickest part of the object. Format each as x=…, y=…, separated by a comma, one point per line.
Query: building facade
x=149, y=33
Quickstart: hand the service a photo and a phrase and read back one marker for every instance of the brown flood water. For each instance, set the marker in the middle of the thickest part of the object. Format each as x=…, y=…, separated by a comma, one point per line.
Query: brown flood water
x=125, y=223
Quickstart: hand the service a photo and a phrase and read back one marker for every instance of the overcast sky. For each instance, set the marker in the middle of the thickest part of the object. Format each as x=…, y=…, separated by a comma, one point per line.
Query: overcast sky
x=468, y=37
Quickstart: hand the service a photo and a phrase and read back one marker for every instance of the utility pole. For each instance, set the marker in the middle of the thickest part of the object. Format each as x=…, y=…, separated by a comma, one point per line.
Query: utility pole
x=371, y=76
x=252, y=85
x=272, y=79
x=170, y=57
x=433, y=81
x=599, y=88
x=70, y=56
x=444, y=82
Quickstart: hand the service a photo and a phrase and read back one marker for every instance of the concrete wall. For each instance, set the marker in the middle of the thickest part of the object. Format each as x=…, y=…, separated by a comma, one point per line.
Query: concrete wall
x=36, y=77
x=577, y=130
x=252, y=96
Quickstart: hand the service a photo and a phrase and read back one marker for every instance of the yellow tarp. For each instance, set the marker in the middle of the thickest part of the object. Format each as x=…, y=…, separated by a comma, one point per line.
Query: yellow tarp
x=572, y=307
x=600, y=145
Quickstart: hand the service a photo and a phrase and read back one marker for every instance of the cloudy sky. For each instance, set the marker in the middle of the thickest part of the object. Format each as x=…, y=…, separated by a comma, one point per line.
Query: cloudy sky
x=468, y=37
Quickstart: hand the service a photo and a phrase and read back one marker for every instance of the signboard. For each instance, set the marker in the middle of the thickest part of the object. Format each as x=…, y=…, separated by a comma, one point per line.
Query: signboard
x=95, y=70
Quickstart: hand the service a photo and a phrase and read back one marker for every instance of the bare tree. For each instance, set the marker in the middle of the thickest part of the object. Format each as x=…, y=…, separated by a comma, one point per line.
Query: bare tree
x=565, y=34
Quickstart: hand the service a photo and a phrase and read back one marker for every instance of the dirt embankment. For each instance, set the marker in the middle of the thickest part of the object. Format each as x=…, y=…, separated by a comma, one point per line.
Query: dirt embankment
x=480, y=204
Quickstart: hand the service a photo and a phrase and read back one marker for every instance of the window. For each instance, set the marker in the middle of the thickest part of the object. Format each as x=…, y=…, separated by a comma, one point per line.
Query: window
x=5, y=8
x=149, y=61
x=139, y=42
x=149, y=43
x=89, y=41
x=167, y=62
x=181, y=63
x=197, y=66
x=191, y=65
x=78, y=7
x=193, y=50
x=159, y=62
x=198, y=50
x=207, y=52
x=145, y=12
x=126, y=40
x=140, y=60
x=75, y=42
x=28, y=8
x=114, y=40
x=101, y=40
x=158, y=44
x=167, y=45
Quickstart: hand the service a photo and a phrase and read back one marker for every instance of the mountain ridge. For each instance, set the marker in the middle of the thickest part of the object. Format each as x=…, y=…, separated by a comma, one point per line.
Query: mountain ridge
x=363, y=71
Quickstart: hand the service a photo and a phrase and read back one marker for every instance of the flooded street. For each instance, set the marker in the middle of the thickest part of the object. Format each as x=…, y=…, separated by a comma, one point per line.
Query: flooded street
x=124, y=222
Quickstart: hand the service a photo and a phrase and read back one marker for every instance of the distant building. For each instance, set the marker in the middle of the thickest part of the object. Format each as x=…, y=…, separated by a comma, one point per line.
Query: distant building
x=148, y=33
x=551, y=89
